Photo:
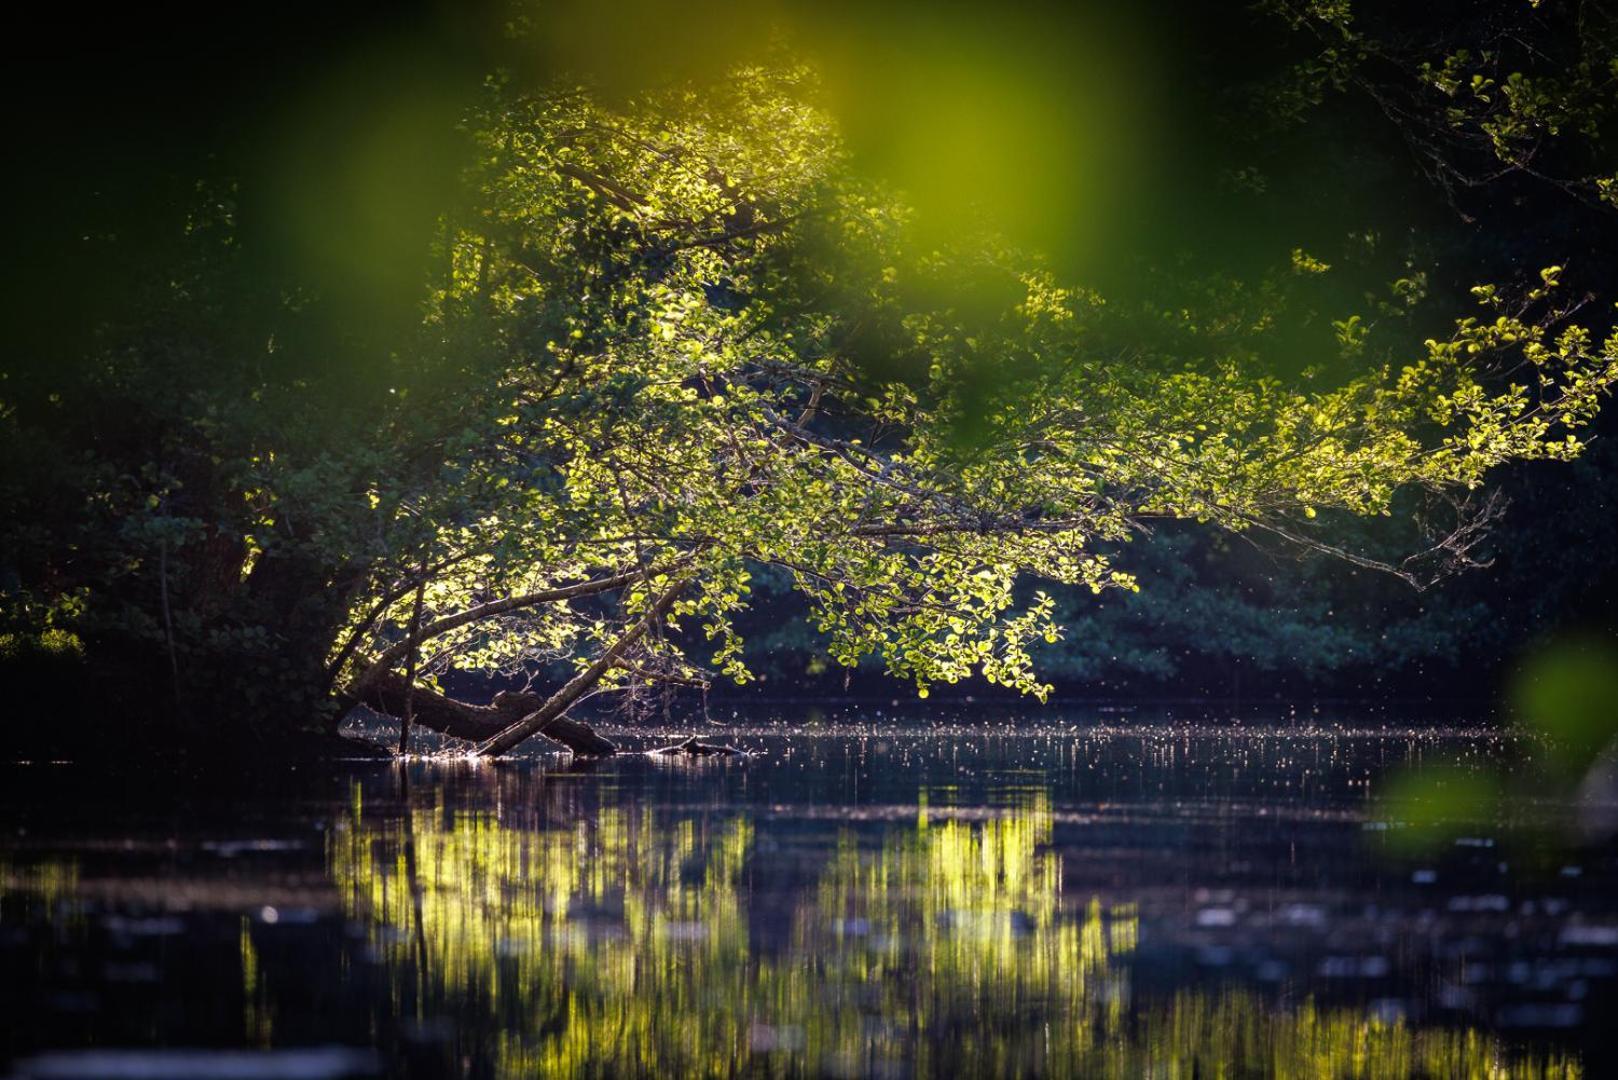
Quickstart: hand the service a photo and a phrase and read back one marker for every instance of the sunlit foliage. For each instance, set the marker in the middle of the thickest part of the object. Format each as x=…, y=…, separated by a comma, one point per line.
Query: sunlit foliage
x=723, y=349
x=671, y=258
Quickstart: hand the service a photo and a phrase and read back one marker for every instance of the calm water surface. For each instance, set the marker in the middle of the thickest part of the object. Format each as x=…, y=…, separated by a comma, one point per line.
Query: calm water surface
x=1106, y=897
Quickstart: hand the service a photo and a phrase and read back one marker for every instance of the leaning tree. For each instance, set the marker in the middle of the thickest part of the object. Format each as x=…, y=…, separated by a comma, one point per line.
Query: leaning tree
x=720, y=347
x=661, y=341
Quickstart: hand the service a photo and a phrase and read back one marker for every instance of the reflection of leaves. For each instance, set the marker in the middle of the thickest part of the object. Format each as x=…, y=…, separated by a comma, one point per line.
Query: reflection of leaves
x=1568, y=692
x=622, y=945
x=1426, y=807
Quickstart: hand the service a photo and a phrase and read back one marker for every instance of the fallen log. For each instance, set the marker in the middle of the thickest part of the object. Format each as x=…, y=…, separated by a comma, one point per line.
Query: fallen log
x=386, y=693
x=694, y=747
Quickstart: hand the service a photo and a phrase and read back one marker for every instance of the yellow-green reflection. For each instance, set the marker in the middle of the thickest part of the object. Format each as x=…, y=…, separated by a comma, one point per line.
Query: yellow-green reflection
x=258, y=1021
x=620, y=944
x=43, y=885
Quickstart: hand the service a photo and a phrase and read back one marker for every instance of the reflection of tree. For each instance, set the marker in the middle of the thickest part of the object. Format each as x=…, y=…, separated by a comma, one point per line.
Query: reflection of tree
x=1249, y=1038
x=258, y=1015
x=38, y=887
x=601, y=943
x=954, y=939
x=620, y=945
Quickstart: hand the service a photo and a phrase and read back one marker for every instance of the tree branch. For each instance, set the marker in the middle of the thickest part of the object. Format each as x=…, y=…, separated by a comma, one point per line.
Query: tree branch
x=437, y=627
x=558, y=703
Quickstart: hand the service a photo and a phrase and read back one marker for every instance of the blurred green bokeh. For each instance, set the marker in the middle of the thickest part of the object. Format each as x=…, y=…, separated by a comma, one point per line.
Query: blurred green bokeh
x=1424, y=808
x=1567, y=693
x=1564, y=701
x=332, y=138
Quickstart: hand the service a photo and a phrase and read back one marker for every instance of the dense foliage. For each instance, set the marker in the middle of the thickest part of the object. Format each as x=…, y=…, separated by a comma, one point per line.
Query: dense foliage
x=666, y=340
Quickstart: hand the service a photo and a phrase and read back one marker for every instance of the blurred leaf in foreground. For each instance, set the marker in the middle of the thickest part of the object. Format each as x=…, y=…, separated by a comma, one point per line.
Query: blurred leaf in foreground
x=1568, y=693
x=1424, y=807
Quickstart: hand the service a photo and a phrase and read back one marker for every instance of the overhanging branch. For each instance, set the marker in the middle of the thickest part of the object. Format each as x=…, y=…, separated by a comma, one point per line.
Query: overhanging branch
x=438, y=627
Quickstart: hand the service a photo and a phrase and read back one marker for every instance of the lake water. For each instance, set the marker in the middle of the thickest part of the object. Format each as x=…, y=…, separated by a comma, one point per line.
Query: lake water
x=876, y=897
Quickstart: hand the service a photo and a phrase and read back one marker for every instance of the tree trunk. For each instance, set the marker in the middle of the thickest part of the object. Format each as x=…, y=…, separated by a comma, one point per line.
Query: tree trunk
x=410, y=662
x=543, y=719
x=510, y=718
x=478, y=723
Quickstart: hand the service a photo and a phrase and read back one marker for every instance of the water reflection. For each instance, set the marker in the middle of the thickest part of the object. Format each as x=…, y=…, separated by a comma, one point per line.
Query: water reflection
x=539, y=927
